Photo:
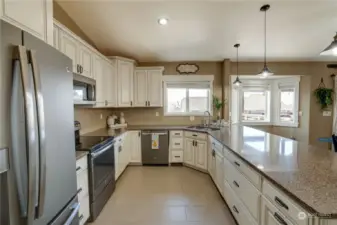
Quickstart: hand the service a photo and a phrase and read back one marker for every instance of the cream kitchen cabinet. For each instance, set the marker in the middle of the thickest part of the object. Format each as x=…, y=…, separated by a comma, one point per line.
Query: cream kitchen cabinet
x=110, y=83
x=125, y=75
x=211, y=158
x=148, y=86
x=69, y=46
x=122, y=157
x=219, y=171
x=189, y=151
x=56, y=40
x=83, y=188
x=85, y=61
x=32, y=16
x=195, y=153
x=272, y=216
x=135, y=147
x=101, y=85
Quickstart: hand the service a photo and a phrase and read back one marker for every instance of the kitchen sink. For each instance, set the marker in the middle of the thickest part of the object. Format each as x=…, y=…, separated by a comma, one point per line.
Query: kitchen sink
x=201, y=127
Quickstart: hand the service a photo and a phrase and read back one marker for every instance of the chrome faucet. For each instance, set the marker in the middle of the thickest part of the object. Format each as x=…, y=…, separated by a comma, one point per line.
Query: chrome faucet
x=209, y=118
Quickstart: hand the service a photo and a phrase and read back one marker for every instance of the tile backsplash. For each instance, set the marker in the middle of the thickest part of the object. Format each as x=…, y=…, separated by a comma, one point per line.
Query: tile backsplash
x=91, y=119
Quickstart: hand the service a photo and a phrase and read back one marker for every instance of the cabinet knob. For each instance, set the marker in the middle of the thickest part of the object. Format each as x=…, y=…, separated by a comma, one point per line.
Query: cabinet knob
x=149, y=103
x=131, y=103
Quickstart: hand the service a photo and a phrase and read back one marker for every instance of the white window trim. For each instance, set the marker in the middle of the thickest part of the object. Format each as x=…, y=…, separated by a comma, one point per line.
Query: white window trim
x=274, y=107
x=188, y=78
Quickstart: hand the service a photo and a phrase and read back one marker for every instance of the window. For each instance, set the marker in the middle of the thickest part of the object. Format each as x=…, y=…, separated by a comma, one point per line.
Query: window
x=266, y=102
x=254, y=106
x=187, y=97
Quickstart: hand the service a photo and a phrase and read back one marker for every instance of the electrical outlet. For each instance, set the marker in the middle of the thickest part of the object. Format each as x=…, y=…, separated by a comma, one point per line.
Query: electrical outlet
x=101, y=116
x=157, y=113
x=300, y=113
x=326, y=113
x=191, y=118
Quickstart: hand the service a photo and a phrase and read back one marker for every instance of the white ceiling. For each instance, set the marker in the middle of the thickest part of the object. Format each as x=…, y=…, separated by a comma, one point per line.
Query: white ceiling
x=206, y=30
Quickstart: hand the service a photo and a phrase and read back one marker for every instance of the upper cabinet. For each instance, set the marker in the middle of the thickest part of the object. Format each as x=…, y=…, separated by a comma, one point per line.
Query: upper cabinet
x=125, y=70
x=76, y=49
x=148, y=86
x=33, y=16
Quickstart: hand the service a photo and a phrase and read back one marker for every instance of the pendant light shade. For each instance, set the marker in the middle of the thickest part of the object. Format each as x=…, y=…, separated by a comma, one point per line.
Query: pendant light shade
x=266, y=72
x=237, y=81
x=331, y=49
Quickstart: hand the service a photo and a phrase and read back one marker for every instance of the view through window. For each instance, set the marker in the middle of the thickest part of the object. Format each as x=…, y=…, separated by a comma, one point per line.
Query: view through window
x=287, y=103
x=254, y=107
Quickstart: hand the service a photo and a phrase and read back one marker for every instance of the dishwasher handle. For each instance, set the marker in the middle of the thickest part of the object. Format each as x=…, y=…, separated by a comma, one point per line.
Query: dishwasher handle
x=157, y=133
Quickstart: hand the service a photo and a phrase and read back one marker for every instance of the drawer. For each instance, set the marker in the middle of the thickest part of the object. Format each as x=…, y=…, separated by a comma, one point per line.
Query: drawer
x=246, y=170
x=271, y=215
x=245, y=190
x=216, y=144
x=283, y=203
x=176, y=133
x=84, y=212
x=81, y=164
x=177, y=143
x=82, y=184
x=196, y=135
x=177, y=156
x=238, y=210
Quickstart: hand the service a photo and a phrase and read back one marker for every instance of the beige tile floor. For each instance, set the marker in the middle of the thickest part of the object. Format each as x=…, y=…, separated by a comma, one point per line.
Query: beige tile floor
x=165, y=196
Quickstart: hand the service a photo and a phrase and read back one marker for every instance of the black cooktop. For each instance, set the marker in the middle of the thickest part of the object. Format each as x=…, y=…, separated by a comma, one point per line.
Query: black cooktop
x=92, y=143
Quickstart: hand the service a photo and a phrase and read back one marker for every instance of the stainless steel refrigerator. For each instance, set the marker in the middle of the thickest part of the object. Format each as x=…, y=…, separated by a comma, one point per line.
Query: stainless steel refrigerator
x=36, y=132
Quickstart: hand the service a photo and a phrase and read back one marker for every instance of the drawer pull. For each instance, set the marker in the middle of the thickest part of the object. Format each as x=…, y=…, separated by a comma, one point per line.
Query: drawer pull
x=213, y=153
x=279, y=219
x=81, y=217
x=176, y=143
x=236, y=163
x=177, y=156
x=79, y=190
x=78, y=168
x=176, y=133
x=281, y=203
x=236, y=183
x=235, y=209
x=194, y=135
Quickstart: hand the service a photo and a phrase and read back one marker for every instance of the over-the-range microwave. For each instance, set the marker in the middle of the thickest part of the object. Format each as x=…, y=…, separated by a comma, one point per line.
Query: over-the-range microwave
x=84, y=90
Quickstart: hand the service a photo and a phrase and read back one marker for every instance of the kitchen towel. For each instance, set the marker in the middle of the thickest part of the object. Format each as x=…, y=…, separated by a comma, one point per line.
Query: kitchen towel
x=155, y=141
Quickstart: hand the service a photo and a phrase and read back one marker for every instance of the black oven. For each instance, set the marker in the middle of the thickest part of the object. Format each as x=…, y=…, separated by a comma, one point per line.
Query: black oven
x=84, y=90
x=101, y=176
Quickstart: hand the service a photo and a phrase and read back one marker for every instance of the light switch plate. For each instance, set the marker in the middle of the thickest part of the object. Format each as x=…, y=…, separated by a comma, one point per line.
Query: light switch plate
x=191, y=118
x=300, y=113
x=326, y=113
x=101, y=116
x=157, y=113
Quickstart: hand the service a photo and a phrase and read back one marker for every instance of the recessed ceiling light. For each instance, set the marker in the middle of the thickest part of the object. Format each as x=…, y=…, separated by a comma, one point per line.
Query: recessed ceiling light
x=163, y=21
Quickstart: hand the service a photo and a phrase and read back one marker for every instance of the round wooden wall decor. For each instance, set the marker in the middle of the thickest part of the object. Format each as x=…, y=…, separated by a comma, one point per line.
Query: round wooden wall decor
x=187, y=68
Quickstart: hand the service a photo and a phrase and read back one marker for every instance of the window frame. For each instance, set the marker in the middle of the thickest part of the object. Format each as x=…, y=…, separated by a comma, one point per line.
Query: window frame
x=167, y=79
x=274, y=85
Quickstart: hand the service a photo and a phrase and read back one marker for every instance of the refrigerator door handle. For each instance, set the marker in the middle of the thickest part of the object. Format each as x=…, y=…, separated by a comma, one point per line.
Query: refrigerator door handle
x=42, y=132
x=27, y=194
x=75, y=208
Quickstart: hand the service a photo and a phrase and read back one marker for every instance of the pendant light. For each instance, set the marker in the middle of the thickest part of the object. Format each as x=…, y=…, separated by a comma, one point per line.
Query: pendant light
x=331, y=49
x=265, y=71
x=237, y=81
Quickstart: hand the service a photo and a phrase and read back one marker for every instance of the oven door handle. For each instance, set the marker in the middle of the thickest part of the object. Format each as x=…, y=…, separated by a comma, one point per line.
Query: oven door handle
x=95, y=154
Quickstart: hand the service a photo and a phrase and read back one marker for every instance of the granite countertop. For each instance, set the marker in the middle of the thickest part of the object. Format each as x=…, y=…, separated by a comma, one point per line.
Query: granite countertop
x=80, y=154
x=308, y=174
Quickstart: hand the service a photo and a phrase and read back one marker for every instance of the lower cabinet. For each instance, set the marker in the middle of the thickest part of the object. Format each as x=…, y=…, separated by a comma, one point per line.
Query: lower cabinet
x=271, y=215
x=135, y=146
x=83, y=189
x=195, y=153
x=219, y=171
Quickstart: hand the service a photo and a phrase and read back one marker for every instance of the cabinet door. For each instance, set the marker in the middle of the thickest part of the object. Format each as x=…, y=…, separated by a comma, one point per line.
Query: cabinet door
x=69, y=46
x=271, y=216
x=140, y=84
x=100, y=82
x=85, y=60
x=29, y=15
x=110, y=84
x=155, y=88
x=125, y=83
x=56, y=38
x=135, y=154
x=201, y=154
x=116, y=161
x=219, y=171
x=189, y=151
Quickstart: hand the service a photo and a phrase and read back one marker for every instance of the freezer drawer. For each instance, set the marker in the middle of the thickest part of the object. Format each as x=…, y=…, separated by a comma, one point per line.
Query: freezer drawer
x=69, y=215
x=155, y=156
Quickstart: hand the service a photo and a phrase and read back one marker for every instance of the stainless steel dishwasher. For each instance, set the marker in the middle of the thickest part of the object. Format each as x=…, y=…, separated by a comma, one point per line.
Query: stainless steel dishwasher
x=155, y=155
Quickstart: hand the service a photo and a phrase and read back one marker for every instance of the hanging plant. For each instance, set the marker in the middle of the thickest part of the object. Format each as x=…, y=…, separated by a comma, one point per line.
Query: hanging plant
x=324, y=95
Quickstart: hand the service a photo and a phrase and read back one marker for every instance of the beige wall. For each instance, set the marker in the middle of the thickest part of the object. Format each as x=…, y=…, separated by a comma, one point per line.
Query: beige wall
x=61, y=16
x=141, y=116
x=312, y=124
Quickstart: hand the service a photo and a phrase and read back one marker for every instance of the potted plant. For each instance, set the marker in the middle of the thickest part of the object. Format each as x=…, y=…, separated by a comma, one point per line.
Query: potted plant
x=218, y=104
x=324, y=95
